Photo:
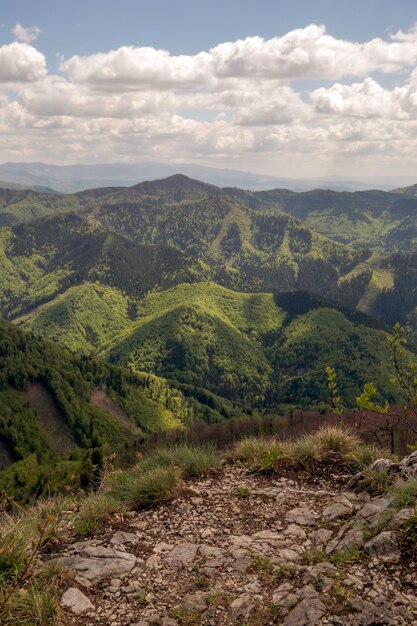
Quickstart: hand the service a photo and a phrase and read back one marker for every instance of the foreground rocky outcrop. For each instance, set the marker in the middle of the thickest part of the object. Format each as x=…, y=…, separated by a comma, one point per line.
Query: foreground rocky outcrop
x=237, y=548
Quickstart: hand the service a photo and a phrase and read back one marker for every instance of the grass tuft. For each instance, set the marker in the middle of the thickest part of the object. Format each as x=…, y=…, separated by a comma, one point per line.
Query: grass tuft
x=407, y=536
x=364, y=455
x=405, y=493
x=332, y=441
x=34, y=606
x=377, y=481
x=142, y=490
x=94, y=510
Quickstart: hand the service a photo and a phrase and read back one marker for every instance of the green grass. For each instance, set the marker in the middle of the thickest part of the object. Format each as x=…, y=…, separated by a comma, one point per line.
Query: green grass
x=363, y=456
x=36, y=605
x=405, y=493
x=377, y=482
x=312, y=557
x=326, y=445
x=407, y=536
x=349, y=557
x=144, y=489
x=94, y=510
x=157, y=477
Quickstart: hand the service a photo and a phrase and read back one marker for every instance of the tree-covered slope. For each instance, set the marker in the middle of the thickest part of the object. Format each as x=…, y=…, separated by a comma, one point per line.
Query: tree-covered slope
x=382, y=221
x=234, y=344
x=252, y=350
x=56, y=407
x=41, y=259
x=246, y=249
x=140, y=238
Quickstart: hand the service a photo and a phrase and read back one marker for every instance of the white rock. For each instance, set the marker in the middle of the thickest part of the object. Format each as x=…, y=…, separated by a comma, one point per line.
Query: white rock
x=384, y=546
x=76, y=601
x=302, y=516
x=120, y=537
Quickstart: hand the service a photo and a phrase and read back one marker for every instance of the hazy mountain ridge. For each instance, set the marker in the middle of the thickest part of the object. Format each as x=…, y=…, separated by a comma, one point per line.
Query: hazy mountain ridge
x=73, y=178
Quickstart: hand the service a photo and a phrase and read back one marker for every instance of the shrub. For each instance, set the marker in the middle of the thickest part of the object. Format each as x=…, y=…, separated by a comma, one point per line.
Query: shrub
x=94, y=510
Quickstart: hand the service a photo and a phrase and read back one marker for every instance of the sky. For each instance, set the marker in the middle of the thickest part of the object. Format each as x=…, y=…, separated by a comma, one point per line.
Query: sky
x=300, y=88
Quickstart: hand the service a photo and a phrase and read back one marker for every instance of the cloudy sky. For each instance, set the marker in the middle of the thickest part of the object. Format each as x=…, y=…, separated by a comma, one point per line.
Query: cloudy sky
x=294, y=88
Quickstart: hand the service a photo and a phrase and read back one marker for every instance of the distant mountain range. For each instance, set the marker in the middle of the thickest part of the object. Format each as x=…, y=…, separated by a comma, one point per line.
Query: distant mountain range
x=72, y=178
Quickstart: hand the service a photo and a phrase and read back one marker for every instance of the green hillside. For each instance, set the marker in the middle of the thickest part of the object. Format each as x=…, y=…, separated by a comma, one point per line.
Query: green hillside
x=42, y=259
x=253, y=349
x=246, y=249
x=382, y=221
x=85, y=317
x=58, y=408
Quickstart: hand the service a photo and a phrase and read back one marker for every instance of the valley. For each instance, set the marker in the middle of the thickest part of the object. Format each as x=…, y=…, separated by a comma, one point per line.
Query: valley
x=197, y=303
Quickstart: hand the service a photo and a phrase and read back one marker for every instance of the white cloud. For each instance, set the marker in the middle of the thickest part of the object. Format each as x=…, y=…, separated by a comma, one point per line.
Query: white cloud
x=26, y=34
x=365, y=100
x=129, y=66
x=281, y=106
x=236, y=104
x=20, y=62
x=303, y=53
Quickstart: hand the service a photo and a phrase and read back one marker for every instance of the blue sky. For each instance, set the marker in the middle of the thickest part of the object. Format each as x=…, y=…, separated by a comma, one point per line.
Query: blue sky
x=258, y=85
x=188, y=26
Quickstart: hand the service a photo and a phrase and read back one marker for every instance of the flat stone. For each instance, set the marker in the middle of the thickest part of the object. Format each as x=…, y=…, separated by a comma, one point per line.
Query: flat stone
x=322, y=536
x=354, y=538
x=308, y=612
x=295, y=531
x=384, y=546
x=242, y=606
x=182, y=555
x=195, y=601
x=97, y=563
x=302, y=516
x=340, y=507
x=288, y=555
x=381, y=465
x=269, y=537
x=401, y=516
x=376, y=506
x=74, y=600
x=120, y=537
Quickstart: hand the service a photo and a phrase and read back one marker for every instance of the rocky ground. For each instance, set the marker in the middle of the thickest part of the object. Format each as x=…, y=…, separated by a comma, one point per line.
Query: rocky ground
x=243, y=549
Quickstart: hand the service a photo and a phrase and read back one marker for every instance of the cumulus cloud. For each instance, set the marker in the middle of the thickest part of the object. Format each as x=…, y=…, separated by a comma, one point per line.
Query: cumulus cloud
x=20, y=62
x=26, y=34
x=129, y=66
x=366, y=100
x=303, y=53
x=237, y=103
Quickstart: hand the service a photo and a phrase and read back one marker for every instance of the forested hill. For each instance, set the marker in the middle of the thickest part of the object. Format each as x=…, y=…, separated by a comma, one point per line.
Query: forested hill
x=140, y=238
x=42, y=259
x=56, y=407
x=254, y=349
